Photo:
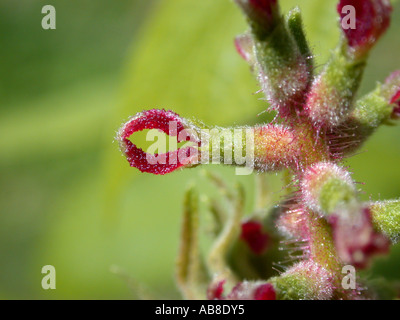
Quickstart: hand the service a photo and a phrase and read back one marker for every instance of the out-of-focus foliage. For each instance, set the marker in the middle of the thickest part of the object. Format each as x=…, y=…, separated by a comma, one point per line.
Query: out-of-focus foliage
x=68, y=198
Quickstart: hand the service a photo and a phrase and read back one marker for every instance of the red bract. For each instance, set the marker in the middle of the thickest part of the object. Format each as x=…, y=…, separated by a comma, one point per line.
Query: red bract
x=262, y=13
x=253, y=235
x=372, y=20
x=167, y=122
x=356, y=240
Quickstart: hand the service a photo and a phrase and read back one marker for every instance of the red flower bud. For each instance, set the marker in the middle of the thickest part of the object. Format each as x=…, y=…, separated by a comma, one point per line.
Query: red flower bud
x=264, y=8
x=355, y=238
x=169, y=123
x=255, y=238
x=372, y=18
x=393, y=86
x=265, y=292
x=247, y=290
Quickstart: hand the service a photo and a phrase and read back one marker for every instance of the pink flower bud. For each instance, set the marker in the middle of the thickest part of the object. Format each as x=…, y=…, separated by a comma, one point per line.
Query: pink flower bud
x=169, y=123
x=355, y=238
x=254, y=236
x=372, y=20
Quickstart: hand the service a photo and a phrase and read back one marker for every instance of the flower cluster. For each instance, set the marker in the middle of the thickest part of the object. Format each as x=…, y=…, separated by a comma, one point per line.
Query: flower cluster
x=321, y=222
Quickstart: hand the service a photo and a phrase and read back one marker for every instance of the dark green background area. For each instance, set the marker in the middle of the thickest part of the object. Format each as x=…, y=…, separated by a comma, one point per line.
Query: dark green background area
x=69, y=199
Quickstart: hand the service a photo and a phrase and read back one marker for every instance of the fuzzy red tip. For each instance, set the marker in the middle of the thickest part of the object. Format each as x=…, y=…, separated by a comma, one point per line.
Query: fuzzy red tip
x=371, y=21
x=167, y=122
x=356, y=240
x=265, y=292
x=255, y=238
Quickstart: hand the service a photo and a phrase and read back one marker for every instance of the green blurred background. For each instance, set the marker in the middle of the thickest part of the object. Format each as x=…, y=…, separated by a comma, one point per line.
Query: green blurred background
x=68, y=198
